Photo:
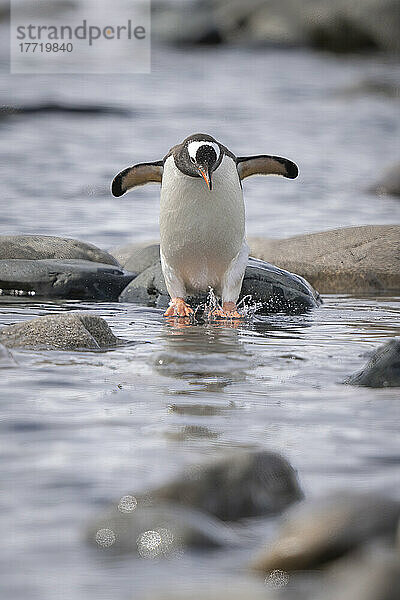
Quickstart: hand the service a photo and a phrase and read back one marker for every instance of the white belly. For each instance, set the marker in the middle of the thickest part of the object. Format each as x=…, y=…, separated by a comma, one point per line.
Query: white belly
x=201, y=231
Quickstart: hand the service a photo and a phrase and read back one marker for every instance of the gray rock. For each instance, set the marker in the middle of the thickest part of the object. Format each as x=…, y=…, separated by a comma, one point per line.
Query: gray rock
x=315, y=533
x=67, y=331
x=389, y=182
x=6, y=358
x=338, y=26
x=74, y=279
x=243, y=485
x=382, y=370
x=349, y=260
x=38, y=247
x=275, y=288
x=158, y=531
x=143, y=258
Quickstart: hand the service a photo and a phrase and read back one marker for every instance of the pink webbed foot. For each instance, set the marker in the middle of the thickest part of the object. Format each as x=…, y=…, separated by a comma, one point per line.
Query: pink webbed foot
x=228, y=311
x=178, y=308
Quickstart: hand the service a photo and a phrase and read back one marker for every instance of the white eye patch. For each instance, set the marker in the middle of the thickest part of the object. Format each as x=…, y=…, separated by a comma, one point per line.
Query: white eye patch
x=194, y=146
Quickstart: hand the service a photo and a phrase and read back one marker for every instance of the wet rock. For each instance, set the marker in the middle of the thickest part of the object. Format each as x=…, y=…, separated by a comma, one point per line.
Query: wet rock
x=70, y=279
x=389, y=182
x=147, y=288
x=39, y=247
x=337, y=26
x=68, y=331
x=315, y=533
x=348, y=260
x=276, y=289
x=373, y=574
x=6, y=358
x=382, y=370
x=61, y=108
x=243, y=485
x=157, y=531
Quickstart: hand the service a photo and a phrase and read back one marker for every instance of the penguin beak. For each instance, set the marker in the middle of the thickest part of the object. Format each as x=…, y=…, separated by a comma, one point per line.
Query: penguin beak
x=205, y=172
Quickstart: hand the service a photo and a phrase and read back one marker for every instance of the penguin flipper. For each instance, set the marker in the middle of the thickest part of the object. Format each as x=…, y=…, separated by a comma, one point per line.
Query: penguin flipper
x=264, y=164
x=137, y=175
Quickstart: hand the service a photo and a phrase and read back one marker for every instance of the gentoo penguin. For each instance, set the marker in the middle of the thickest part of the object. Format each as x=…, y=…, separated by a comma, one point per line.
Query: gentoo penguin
x=202, y=217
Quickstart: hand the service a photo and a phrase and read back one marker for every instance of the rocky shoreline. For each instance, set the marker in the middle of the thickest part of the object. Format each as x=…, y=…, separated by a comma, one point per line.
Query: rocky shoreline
x=356, y=259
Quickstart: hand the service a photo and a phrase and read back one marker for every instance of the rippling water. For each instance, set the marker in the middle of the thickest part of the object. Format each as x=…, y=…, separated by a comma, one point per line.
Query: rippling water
x=81, y=429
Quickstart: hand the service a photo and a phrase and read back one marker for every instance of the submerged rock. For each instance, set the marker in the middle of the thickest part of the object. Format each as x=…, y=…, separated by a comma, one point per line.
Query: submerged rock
x=348, y=260
x=382, y=370
x=315, y=533
x=276, y=289
x=243, y=485
x=68, y=331
x=39, y=247
x=73, y=279
x=157, y=531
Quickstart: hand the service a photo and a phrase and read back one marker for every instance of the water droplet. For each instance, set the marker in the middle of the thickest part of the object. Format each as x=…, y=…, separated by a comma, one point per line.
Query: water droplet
x=105, y=537
x=277, y=579
x=127, y=504
x=148, y=544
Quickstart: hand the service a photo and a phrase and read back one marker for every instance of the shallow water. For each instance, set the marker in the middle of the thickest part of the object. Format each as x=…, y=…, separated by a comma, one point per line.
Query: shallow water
x=81, y=429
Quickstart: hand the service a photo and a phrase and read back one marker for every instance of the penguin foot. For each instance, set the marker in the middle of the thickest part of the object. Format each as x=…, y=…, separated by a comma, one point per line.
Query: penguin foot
x=178, y=308
x=230, y=310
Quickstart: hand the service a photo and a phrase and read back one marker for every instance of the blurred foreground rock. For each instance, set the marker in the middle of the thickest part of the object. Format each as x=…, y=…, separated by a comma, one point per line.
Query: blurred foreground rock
x=158, y=531
x=346, y=260
x=228, y=589
x=67, y=331
x=317, y=532
x=190, y=510
x=334, y=25
x=247, y=484
x=373, y=574
x=382, y=370
x=276, y=289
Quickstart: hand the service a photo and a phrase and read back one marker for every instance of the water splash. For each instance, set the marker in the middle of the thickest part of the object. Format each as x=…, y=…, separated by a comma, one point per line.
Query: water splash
x=207, y=310
x=248, y=307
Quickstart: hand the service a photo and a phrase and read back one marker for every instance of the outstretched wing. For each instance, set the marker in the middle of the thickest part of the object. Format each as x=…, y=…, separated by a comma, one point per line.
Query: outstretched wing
x=137, y=175
x=264, y=164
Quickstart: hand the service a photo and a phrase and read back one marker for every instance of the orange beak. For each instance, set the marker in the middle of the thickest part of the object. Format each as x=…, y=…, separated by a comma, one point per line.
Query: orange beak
x=206, y=175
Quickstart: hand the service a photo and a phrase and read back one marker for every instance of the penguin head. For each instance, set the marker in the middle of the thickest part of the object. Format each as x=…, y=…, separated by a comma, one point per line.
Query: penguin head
x=199, y=155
